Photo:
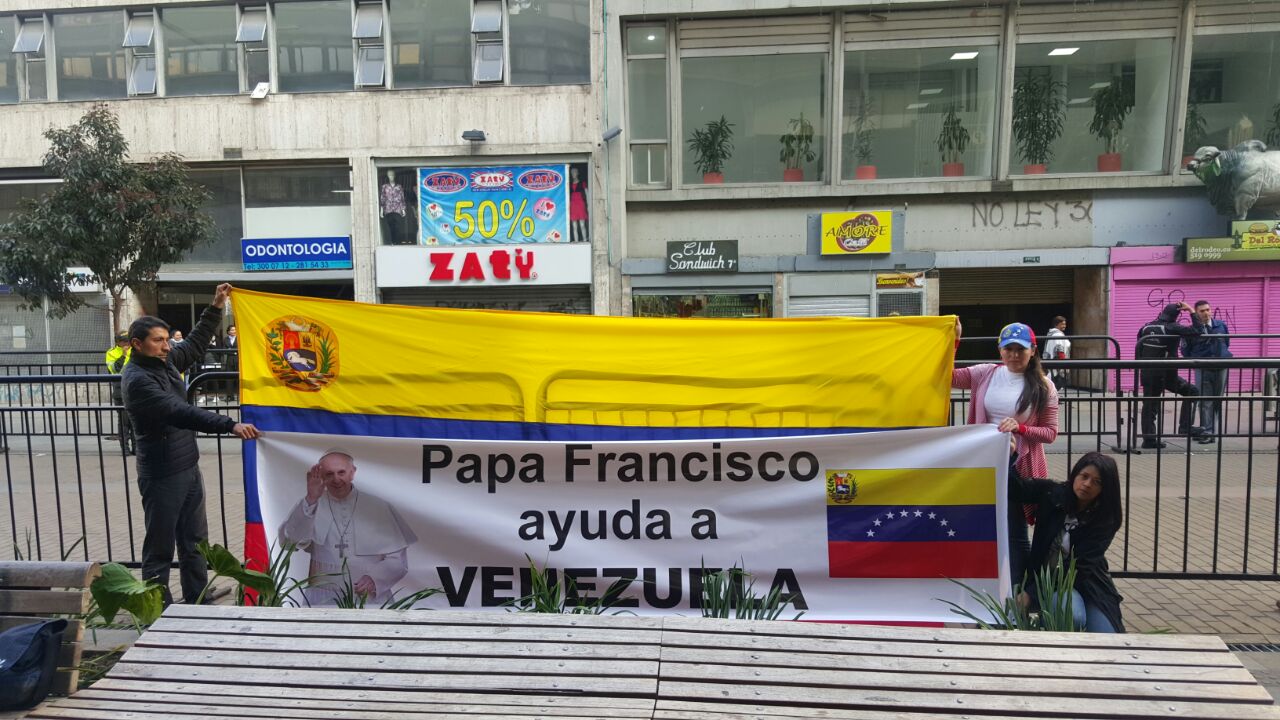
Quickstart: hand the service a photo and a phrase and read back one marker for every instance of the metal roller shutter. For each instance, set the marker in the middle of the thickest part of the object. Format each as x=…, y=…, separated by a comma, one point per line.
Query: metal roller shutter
x=1007, y=286
x=771, y=33
x=977, y=25
x=570, y=299
x=903, y=303
x=1236, y=16
x=1131, y=18
x=829, y=305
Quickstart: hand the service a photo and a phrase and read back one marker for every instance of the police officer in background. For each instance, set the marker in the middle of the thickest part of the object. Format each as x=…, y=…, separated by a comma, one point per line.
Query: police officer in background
x=1159, y=340
x=116, y=358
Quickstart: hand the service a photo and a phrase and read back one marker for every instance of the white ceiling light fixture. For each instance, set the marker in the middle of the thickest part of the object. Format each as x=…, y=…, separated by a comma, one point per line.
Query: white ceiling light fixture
x=1079, y=101
x=917, y=106
x=964, y=55
x=931, y=91
x=1099, y=85
x=1063, y=51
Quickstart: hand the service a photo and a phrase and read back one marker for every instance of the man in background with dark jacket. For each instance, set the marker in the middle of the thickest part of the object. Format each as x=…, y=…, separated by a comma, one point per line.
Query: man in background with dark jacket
x=168, y=457
x=1159, y=340
x=1213, y=381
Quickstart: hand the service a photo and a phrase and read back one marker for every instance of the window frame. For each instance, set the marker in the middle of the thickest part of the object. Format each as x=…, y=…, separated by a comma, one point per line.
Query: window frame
x=364, y=46
x=137, y=55
x=246, y=48
x=669, y=28
x=483, y=40
x=35, y=60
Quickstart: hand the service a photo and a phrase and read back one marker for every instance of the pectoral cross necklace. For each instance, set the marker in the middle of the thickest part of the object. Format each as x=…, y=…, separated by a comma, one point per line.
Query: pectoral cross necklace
x=342, y=544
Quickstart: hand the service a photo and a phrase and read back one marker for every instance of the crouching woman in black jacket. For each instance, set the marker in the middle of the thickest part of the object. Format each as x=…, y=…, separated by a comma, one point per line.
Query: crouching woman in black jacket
x=1077, y=519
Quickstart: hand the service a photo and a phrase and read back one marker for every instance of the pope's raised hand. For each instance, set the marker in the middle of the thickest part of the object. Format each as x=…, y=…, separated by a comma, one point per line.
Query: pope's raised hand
x=315, y=484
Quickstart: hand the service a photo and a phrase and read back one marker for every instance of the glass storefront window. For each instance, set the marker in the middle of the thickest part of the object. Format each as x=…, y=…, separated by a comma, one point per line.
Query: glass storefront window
x=550, y=41
x=313, y=46
x=398, y=205
x=1092, y=84
x=225, y=208
x=297, y=187
x=200, y=50
x=1233, y=89
x=430, y=43
x=90, y=59
x=707, y=305
x=12, y=195
x=8, y=63
x=760, y=96
x=900, y=105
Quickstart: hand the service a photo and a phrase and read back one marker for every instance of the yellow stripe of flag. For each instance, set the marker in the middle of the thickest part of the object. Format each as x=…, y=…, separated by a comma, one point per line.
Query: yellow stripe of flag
x=919, y=486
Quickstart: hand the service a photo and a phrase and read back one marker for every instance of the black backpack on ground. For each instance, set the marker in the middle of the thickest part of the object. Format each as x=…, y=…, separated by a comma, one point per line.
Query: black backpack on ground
x=28, y=661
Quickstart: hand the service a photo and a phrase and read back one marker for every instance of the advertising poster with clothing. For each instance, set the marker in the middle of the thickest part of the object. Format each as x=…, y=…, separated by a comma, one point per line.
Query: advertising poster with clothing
x=495, y=205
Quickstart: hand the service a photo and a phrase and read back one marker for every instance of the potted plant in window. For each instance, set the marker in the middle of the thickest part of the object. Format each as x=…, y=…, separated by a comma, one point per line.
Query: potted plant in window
x=1111, y=105
x=952, y=142
x=797, y=148
x=712, y=146
x=1038, y=115
x=863, y=137
x=1194, y=131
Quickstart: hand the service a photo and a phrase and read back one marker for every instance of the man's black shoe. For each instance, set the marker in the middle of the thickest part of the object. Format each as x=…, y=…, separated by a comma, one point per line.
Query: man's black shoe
x=1205, y=439
x=1153, y=445
x=1194, y=432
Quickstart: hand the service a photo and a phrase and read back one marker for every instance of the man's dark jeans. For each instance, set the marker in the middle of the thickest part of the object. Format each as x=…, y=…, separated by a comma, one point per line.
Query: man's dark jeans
x=173, y=509
x=1154, y=382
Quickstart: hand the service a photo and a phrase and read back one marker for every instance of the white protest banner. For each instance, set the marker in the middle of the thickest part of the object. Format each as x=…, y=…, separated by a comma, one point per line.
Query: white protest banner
x=851, y=527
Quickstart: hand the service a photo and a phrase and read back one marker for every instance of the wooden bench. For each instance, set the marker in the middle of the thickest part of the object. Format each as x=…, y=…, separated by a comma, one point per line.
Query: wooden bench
x=290, y=663
x=33, y=591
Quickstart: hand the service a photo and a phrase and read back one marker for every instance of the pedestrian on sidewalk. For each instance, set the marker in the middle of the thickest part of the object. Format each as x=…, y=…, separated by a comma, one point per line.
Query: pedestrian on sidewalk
x=1209, y=381
x=1058, y=347
x=168, y=457
x=116, y=358
x=1016, y=395
x=1159, y=340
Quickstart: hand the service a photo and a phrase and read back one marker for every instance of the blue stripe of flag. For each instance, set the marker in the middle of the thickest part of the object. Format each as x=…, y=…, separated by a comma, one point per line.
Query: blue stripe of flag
x=911, y=523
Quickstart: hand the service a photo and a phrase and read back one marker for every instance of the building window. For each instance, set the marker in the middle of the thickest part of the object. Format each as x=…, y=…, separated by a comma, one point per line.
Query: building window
x=430, y=43
x=920, y=112
x=313, y=45
x=725, y=304
x=91, y=64
x=139, y=42
x=8, y=62
x=200, y=50
x=299, y=201
x=761, y=98
x=486, y=34
x=1233, y=87
x=371, y=57
x=1111, y=97
x=28, y=48
x=550, y=41
x=647, y=104
x=226, y=208
x=255, y=50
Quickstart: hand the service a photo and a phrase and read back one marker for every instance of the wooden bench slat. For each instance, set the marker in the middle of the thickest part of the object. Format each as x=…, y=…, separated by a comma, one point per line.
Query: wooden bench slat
x=961, y=636
x=397, y=695
x=51, y=602
x=398, y=646
x=413, y=617
x=31, y=574
x=948, y=651
x=1021, y=667
x=351, y=712
x=820, y=680
x=637, y=686
x=967, y=704
x=408, y=631
x=379, y=662
x=690, y=710
x=75, y=713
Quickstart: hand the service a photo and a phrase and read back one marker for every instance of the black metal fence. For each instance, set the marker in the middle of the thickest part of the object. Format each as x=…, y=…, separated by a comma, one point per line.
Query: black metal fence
x=1192, y=510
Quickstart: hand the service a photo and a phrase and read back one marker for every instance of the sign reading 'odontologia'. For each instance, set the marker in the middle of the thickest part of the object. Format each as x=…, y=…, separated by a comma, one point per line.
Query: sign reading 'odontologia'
x=320, y=253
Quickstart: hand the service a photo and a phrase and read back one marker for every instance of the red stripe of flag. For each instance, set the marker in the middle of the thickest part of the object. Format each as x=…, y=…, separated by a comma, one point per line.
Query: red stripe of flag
x=912, y=559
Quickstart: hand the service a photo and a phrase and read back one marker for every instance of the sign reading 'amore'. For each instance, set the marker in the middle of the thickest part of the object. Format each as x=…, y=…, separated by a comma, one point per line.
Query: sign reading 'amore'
x=702, y=256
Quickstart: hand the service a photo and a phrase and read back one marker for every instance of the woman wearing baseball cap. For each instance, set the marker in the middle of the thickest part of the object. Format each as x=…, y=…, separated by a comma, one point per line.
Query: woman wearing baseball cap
x=1016, y=395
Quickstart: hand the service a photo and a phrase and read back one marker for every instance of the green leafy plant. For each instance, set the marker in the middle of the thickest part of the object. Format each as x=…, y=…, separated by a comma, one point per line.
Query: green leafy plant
x=730, y=593
x=864, y=127
x=1273, y=133
x=560, y=595
x=1195, y=128
x=954, y=138
x=1111, y=105
x=347, y=597
x=1053, y=596
x=1039, y=112
x=117, y=589
x=712, y=145
x=797, y=145
x=274, y=588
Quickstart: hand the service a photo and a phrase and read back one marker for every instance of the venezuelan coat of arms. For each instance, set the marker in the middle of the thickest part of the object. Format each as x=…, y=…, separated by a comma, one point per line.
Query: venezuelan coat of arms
x=302, y=353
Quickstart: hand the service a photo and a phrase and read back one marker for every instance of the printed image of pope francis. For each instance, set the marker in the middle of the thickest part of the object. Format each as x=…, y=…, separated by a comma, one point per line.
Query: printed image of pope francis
x=334, y=522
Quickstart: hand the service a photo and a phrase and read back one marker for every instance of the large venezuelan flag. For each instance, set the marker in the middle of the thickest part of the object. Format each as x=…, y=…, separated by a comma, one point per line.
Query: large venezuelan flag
x=336, y=367
x=912, y=523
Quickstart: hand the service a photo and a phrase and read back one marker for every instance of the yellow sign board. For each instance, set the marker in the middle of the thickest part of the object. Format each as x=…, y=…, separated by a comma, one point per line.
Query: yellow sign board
x=862, y=232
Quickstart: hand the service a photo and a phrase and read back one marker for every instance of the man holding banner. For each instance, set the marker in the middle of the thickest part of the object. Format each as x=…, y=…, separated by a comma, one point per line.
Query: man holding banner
x=347, y=533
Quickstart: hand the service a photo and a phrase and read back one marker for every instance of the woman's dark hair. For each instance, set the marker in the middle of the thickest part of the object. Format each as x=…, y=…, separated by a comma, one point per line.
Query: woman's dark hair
x=1107, y=510
x=1035, y=391
x=142, y=327
x=1058, y=320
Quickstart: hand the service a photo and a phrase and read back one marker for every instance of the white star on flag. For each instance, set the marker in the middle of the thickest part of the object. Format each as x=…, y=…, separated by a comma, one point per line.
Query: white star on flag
x=904, y=513
x=877, y=522
x=872, y=533
x=944, y=522
x=919, y=513
x=933, y=515
x=951, y=533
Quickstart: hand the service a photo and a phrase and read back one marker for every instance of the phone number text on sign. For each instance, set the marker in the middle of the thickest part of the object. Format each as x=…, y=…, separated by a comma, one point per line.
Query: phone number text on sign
x=493, y=205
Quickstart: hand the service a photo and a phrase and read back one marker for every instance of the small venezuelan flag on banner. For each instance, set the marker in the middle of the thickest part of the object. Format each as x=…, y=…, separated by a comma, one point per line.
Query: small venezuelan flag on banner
x=912, y=523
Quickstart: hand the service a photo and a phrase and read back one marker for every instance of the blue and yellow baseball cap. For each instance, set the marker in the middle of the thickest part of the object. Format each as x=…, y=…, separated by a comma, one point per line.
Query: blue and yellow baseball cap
x=1017, y=334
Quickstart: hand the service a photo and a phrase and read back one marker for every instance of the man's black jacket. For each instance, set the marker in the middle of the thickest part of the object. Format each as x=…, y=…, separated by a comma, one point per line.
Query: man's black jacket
x=156, y=398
